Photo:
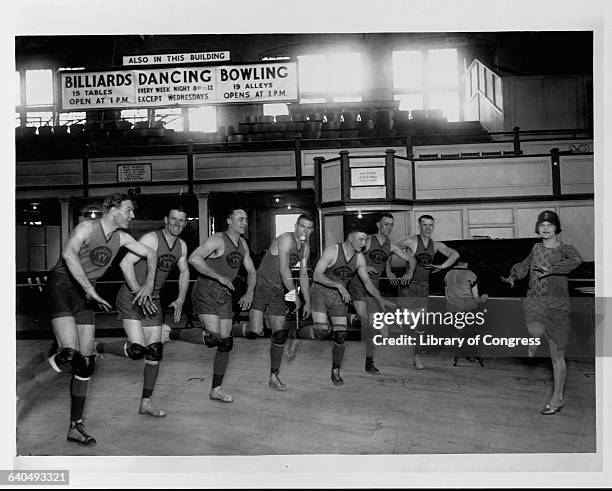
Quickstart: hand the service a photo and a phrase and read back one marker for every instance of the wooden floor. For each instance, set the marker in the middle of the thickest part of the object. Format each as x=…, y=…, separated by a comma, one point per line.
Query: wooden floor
x=442, y=409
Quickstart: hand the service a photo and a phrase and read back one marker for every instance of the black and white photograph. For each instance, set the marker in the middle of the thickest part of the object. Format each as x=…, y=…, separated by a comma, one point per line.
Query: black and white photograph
x=307, y=245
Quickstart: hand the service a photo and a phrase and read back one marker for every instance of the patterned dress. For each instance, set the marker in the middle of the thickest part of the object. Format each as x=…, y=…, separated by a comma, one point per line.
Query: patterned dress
x=547, y=299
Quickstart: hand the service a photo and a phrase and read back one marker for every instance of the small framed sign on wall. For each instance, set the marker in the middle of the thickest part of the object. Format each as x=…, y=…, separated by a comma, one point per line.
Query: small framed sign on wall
x=368, y=176
x=140, y=172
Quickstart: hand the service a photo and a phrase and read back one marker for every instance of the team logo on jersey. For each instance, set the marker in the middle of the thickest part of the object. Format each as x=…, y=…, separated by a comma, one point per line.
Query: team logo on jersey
x=166, y=262
x=378, y=256
x=294, y=258
x=234, y=259
x=343, y=273
x=423, y=259
x=100, y=256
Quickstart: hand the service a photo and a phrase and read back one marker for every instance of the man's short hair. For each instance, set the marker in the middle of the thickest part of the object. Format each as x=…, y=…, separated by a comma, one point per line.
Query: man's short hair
x=178, y=208
x=353, y=231
x=304, y=216
x=384, y=214
x=231, y=211
x=114, y=200
x=426, y=217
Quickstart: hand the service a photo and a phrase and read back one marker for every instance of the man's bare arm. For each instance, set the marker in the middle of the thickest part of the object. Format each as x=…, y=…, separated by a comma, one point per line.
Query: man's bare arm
x=212, y=245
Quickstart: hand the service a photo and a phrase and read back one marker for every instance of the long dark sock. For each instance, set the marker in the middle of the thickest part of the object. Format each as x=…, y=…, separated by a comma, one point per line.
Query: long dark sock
x=276, y=357
x=219, y=366
x=417, y=346
x=151, y=369
x=116, y=348
x=78, y=395
x=369, y=335
x=191, y=335
x=337, y=355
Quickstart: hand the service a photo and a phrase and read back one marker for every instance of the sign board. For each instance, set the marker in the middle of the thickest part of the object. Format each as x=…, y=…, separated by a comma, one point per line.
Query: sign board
x=177, y=58
x=179, y=86
x=133, y=172
x=368, y=176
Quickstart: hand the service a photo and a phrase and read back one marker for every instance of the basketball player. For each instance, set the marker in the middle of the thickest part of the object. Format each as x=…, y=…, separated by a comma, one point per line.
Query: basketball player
x=71, y=295
x=377, y=254
x=218, y=261
x=143, y=325
x=330, y=298
x=424, y=248
x=274, y=279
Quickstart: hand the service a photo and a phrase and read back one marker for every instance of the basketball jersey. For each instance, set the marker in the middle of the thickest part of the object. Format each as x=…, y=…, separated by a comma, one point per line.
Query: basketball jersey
x=342, y=270
x=424, y=256
x=167, y=257
x=376, y=256
x=96, y=255
x=269, y=268
x=228, y=263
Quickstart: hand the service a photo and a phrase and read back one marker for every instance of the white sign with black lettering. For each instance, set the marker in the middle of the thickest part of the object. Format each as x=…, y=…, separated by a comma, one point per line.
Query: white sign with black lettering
x=368, y=176
x=176, y=58
x=133, y=172
x=257, y=83
x=179, y=86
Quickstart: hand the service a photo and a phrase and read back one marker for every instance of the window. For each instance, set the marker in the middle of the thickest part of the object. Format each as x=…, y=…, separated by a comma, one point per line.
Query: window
x=427, y=79
x=203, y=119
x=172, y=118
x=409, y=102
x=39, y=118
x=284, y=222
x=39, y=87
x=134, y=115
x=18, y=88
x=72, y=118
x=275, y=109
x=333, y=77
x=408, y=70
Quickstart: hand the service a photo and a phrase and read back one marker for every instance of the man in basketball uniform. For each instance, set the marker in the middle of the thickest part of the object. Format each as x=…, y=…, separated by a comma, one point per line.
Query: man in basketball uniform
x=274, y=279
x=143, y=325
x=71, y=295
x=218, y=261
x=329, y=296
x=377, y=255
x=424, y=248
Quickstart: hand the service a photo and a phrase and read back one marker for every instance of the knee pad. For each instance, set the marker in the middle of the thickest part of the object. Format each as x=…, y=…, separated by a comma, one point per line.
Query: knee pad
x=68, y=358
x=339, y=337
x=225, y=344
x=86, y=370
x=211, y=339
x=155, y=352
x=320, y=331
x=136, y=351
x=280, y=337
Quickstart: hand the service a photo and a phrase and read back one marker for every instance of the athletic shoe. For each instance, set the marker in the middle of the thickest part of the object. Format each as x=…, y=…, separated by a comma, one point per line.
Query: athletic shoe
x=77, y=434
x=371, y=368
x=276, y=383
x=217, y=394
x=147, y=407
x=336, y=378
